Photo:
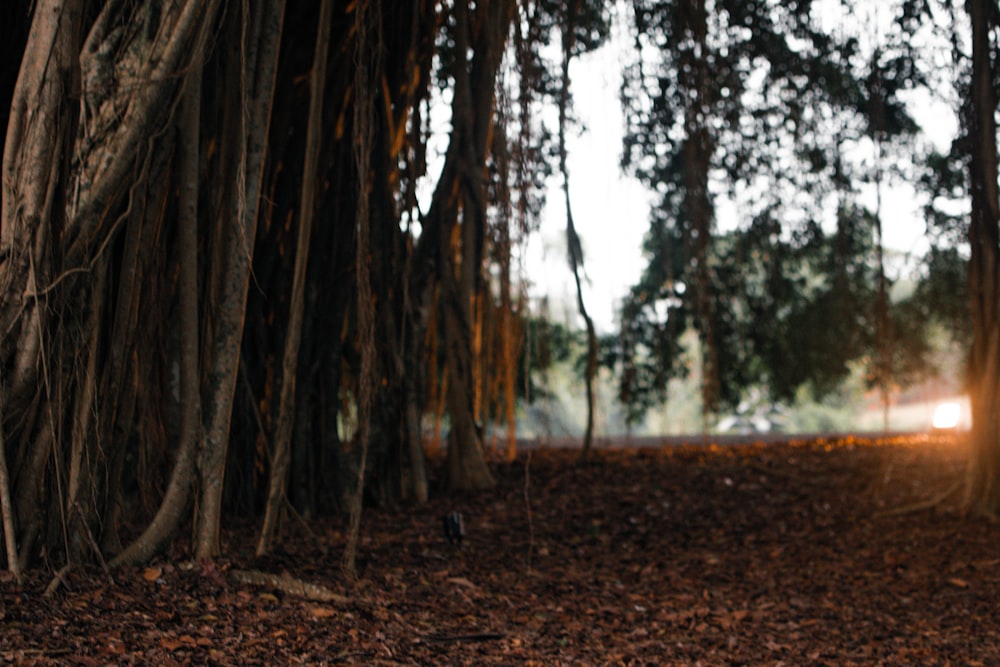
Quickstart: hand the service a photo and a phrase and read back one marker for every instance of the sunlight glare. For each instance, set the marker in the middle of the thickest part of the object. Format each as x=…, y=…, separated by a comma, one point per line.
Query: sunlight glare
x=946, y=415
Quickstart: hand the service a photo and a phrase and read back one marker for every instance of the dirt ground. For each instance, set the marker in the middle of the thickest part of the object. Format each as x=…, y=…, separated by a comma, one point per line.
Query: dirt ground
x=791, y=554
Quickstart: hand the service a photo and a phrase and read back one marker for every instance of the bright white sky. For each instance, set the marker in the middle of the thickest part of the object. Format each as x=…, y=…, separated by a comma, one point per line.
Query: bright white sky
x=611, y=210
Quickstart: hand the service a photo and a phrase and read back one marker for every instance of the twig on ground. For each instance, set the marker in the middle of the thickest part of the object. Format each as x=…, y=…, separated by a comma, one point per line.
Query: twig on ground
x=13, y=656
x=771, y=472
x=921, y=505
x=58, y=578
x=471, y=637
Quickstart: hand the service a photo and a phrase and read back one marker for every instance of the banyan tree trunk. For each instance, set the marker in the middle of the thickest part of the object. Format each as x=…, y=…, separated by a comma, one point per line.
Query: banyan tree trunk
x=99, y=239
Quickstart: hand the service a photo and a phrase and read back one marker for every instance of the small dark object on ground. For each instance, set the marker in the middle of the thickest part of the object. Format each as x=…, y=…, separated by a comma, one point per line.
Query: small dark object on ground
x=454, y=528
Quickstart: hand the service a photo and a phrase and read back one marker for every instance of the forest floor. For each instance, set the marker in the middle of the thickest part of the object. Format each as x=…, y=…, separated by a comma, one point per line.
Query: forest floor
x=783, y=554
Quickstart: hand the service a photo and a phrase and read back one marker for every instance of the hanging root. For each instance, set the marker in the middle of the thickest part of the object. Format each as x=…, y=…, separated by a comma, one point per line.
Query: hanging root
x=60, y=576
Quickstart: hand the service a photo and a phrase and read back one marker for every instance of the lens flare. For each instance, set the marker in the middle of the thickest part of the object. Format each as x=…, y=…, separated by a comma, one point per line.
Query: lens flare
x=947, y=415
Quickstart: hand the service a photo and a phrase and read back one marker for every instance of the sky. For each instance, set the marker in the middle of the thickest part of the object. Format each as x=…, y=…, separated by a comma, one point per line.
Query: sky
x=611, y=210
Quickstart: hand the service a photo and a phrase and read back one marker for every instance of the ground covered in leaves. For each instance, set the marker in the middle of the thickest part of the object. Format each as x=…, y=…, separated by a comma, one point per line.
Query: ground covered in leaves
x=795, y=553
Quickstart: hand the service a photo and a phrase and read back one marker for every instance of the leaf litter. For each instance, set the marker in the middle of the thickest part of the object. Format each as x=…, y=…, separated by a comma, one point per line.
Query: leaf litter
x=777, y=554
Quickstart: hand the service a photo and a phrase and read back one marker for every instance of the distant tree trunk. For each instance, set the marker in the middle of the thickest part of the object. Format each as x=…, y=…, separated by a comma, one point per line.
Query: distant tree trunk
x=467, y=469
x=983, y=491
x=878, y=131
x=698, y=149
x=883, y=322
x=461, y=190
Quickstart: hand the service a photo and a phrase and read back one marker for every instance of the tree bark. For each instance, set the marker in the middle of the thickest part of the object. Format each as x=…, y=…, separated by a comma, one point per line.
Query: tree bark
x=366, y=76
x=467, y=469
x=472, y=124
x=33, y=154
x=37, y=149
x=129, y=221
x=257, y=66
x=983, y=489
x=104, y=175
x=7, y=510
x=698, y=149
x=176, y=500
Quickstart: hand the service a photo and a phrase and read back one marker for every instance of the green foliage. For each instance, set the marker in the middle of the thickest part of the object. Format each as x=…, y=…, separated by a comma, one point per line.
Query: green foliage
x=792, y=299
x=940, y=296
x=546, y=344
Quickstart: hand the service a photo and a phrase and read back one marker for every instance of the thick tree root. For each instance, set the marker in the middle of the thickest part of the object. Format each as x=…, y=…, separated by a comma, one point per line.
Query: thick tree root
x=921, y=505
x=286, y=583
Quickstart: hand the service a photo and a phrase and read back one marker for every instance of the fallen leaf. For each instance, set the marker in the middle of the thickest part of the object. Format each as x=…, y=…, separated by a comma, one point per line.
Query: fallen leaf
x=322, y=612
x=461, y=581
x=171, y=643
x=804, y=589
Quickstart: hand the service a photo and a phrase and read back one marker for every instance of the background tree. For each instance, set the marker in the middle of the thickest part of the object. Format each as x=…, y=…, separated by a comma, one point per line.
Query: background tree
x=767, y=130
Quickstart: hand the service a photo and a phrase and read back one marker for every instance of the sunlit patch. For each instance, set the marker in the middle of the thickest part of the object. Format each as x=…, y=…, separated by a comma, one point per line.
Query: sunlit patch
x=947, y=415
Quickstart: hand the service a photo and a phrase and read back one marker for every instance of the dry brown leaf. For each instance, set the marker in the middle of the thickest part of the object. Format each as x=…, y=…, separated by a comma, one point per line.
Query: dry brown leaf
x=171, y=643
x=461, y=581
x=322, y=612
x=639, y=597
